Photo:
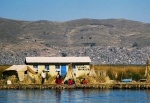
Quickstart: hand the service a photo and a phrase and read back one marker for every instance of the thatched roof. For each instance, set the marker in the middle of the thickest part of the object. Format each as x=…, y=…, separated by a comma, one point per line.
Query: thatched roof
x=17, y=68
x=31, y=70
x=20, y=69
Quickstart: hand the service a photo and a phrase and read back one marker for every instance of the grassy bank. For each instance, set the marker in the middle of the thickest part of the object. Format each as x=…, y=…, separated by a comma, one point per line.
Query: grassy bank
x=116, y=72
x=78, y=86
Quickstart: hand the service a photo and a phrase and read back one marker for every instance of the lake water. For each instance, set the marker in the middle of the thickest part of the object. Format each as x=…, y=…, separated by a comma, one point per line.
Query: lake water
x=75, y=96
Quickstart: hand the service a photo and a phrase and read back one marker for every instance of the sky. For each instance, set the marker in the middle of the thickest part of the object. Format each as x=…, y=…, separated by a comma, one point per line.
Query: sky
x=64, y=10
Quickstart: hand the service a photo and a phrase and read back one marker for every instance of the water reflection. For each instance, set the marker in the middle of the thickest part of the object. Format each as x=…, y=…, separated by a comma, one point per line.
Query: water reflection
x=58, y=96
x=69, y=95
x=75, y=95
x=148, y=96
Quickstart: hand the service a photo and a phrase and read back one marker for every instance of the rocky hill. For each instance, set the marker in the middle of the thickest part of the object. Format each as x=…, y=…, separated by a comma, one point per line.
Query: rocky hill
x=108, y=41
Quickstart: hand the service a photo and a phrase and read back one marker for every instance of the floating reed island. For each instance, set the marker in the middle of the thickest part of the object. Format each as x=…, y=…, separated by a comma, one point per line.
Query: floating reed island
x=77, y=86
x=94, y=81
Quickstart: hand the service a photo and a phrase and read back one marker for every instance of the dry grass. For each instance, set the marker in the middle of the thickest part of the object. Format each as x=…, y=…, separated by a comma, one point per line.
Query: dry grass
x=136, y=71
x=90, y=79
x=3, y=67
x=121, y=68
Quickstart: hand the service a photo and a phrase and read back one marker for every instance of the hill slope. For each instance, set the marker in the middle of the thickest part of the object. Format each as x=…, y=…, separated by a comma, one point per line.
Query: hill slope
x=46, y=38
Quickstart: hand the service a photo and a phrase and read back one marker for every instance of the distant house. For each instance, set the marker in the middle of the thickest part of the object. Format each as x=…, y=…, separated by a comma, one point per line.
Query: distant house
x=53, y=65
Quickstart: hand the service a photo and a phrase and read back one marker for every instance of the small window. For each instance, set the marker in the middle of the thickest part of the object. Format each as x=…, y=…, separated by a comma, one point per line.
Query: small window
x=57, y=67
x=35, y=67
x=46, y=67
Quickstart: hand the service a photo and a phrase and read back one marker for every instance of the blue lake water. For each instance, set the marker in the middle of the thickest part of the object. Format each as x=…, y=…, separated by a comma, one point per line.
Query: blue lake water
x=75, y=96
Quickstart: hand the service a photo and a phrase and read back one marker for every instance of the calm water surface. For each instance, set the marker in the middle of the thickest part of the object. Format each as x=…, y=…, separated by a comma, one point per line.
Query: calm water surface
x=75, y=96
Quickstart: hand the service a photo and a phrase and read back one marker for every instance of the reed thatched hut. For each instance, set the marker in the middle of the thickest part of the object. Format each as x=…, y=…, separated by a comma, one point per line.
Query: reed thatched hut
x=18, y=71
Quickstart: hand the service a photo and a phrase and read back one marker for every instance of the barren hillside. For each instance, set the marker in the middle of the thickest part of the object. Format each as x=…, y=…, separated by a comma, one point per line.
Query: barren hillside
x=105, y=41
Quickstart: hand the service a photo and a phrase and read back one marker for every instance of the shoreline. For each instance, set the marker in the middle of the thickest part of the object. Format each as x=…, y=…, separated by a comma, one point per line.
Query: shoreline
x=76, y=86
